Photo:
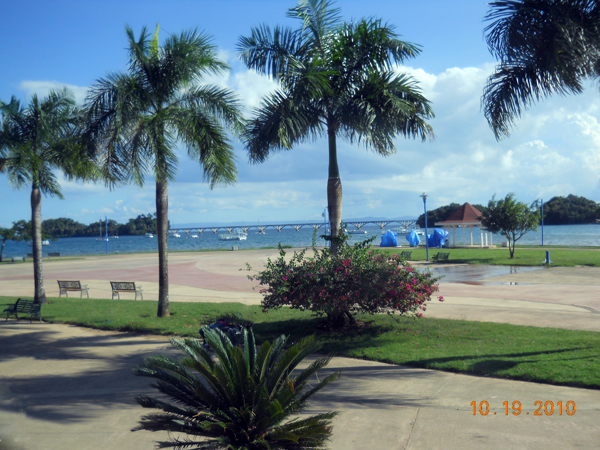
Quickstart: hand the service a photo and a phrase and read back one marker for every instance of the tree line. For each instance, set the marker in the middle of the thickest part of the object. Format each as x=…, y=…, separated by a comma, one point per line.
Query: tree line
x=569, y=210
x=64, y=227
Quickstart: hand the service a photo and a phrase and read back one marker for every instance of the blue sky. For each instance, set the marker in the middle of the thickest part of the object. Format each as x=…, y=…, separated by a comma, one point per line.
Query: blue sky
x=552, y=151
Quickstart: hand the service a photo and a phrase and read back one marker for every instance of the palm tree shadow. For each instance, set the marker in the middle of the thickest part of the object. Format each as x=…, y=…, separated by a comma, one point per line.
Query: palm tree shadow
x=69, y=379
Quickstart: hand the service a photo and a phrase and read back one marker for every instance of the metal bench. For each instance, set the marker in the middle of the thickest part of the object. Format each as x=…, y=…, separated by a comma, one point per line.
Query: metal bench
x=30, y=255
x=17, y=259
x=66, y=286
x=440, y=256
x=54, y=254
x=405, y=255
x=125, y=286
x=24, y=307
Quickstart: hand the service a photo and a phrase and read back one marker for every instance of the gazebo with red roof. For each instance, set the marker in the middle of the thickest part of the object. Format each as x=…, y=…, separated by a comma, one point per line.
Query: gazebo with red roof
x=466, y=217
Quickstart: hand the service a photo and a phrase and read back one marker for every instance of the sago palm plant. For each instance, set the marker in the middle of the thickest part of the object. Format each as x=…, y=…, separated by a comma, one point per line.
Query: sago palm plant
x=241, y=399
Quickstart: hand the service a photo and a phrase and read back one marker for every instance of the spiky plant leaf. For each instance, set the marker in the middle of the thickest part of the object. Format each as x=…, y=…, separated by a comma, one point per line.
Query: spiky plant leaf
x=236, y=399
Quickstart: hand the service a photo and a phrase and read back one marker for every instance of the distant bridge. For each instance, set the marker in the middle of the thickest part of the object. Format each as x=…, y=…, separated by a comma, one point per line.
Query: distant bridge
x=358, y=225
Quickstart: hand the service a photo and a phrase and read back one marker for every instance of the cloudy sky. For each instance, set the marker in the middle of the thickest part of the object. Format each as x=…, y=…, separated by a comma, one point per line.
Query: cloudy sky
x=553, y=151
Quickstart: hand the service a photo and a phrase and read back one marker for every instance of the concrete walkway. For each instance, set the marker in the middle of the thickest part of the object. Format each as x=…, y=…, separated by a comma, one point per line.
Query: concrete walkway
x=65, y=387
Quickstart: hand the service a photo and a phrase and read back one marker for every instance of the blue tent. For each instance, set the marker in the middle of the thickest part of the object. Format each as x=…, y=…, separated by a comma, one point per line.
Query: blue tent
x=438, y=238
x=389, y=240
x=413, y=239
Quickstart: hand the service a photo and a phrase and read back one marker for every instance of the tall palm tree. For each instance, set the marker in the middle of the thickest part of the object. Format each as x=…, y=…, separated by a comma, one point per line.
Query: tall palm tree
x=337, y=80
x=242, y=399
x=35, y=141
x=544, y=47
x=138, y=118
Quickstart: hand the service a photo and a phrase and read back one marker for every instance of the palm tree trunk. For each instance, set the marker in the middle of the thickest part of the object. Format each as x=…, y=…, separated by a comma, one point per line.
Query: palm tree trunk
x=334, y=192
x=162, y=219
x=36, y=225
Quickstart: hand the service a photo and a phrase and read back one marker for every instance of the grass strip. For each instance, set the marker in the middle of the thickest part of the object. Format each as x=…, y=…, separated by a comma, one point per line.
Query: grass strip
x=500, y=256
x=543, y=355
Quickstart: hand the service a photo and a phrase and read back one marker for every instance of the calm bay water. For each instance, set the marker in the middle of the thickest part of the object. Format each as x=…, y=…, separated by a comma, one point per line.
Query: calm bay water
x=570, y=235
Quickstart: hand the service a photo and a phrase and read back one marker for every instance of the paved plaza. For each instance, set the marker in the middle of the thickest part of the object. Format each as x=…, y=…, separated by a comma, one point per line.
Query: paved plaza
x=64, y=387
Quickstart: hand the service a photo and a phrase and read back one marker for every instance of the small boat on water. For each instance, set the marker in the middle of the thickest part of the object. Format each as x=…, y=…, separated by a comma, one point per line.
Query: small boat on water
x=149, y=235
x=44, y=242
x=238, y=235
x=355, y=232
x=176, y=235
x=195, y=236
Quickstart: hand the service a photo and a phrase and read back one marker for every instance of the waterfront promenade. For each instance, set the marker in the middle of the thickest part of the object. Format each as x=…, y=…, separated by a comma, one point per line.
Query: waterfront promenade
x=551, y=297
x=69, y=387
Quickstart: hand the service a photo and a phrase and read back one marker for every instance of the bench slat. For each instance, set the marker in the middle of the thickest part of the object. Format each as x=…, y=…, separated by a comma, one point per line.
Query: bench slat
x=125, y=286
x=66, y=286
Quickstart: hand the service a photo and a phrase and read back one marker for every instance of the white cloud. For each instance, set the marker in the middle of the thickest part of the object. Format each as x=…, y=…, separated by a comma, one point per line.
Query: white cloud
x=42, y=88
x=253, y=87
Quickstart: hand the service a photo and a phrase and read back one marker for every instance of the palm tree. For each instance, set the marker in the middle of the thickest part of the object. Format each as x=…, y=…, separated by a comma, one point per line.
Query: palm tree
x=137, y=119
x=34, y=142
x=544, y=47
x=241, y=400
x=337, y=80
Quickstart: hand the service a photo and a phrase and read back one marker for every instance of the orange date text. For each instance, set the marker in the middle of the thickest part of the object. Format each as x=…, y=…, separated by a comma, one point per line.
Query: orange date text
x=541, y=408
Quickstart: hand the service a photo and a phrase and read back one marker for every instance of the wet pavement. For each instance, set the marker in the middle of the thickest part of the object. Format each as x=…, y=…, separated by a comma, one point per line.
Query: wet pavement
x=477, y=274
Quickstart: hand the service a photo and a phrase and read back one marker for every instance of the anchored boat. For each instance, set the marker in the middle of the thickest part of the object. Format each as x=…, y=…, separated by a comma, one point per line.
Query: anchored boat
x=238, y=235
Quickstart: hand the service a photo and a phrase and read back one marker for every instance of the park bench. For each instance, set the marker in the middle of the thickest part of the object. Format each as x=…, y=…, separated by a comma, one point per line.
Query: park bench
x=66, y=286
x=17, y=259
x=30, y=255
x=23, y=306
x=54, y=254
x=405, y=255
x=440, y=256
x=125, y=286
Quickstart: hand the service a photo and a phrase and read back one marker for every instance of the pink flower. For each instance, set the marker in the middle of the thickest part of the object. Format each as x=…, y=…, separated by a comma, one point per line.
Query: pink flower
x=441, y=298
x=419, y=314
x=284, y=278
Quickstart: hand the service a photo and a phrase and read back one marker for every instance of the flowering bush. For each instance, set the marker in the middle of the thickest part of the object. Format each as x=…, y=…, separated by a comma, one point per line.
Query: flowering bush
x=356, y=280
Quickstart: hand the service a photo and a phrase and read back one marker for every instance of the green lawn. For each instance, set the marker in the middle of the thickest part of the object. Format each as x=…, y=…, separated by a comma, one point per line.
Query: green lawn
x=544, y=355
x=523, y=256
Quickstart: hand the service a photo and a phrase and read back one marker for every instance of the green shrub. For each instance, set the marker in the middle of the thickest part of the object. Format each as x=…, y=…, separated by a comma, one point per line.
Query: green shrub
x=355, y=280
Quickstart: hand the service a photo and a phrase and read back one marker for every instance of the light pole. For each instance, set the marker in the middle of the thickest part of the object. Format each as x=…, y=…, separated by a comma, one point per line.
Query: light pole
x=325, y=221
x=424, y=197
x=106, y=237
x=542, y=222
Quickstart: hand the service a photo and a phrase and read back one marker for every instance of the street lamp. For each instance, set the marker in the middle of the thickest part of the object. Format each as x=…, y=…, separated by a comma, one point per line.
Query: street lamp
x=542, y=222
x=324, y=215
x=424, y=197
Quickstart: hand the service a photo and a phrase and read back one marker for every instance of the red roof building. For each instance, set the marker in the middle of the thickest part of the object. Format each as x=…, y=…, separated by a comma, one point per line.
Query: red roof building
x=466, y=217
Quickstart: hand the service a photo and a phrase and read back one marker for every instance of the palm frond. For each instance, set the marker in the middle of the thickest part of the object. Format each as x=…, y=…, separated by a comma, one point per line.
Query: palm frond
x=319, y=19
x=383, y=106
x=279, y=124
x=270, y=52
x=515, y=87
x=544, y=47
